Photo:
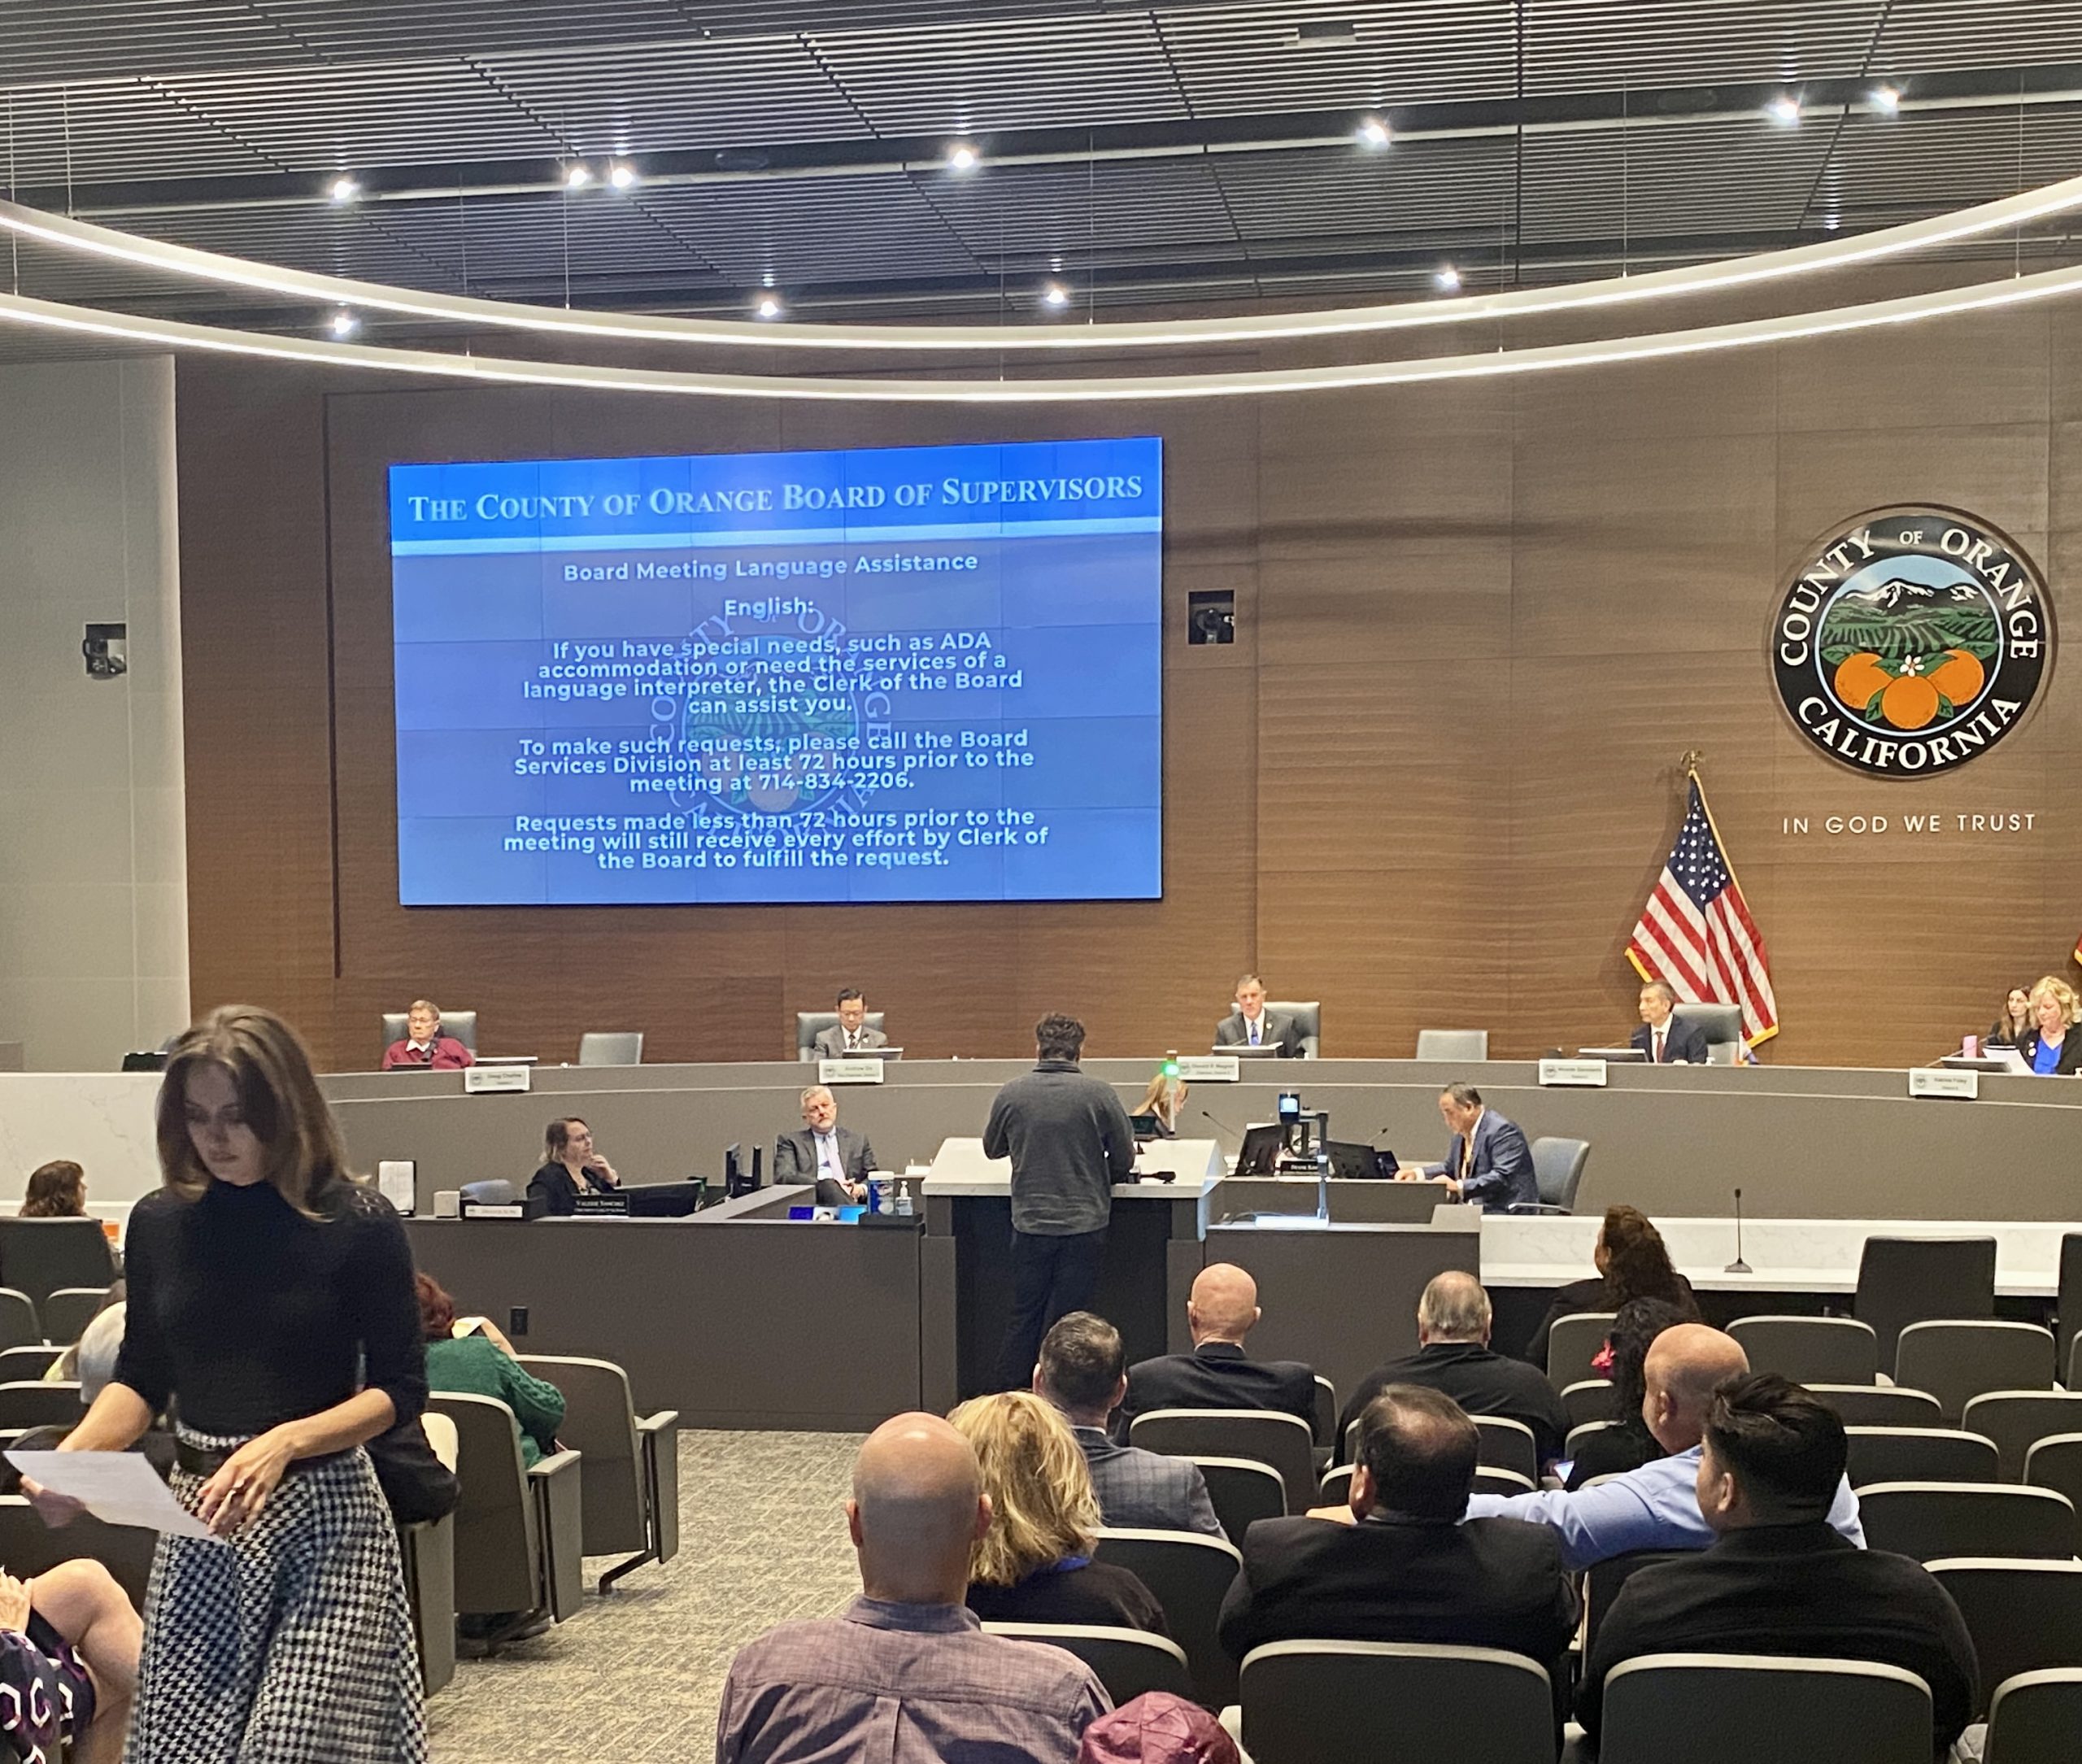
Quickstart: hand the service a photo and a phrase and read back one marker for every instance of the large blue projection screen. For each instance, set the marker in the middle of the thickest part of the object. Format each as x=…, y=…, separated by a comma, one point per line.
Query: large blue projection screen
x=898, y=674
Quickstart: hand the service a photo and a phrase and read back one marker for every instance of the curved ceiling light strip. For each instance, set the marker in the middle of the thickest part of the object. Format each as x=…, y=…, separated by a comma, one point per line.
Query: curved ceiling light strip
x=174, y=334
x=183, y=260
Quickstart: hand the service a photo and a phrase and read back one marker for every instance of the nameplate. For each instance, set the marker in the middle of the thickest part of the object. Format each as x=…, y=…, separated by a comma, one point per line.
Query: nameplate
x=478, y=1080
x=496, y=1209
x=1586, y=1072
x=850, y=1071
x=1210, y=1068
x=1935, y=1081
x=601, y=1206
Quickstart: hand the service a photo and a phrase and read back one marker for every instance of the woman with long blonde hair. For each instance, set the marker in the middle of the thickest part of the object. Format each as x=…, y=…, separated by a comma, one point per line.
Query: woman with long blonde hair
x=2050, y=1045
x=1034, y=1565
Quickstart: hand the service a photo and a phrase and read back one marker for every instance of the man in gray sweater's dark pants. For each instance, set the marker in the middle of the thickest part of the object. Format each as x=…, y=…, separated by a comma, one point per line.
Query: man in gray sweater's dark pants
x=1070, y=1141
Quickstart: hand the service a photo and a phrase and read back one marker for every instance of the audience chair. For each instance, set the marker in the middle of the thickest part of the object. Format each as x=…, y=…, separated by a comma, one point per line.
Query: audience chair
x=28, y=1547
x=1726, y=1705
x=1190, y=1574
x=1490, y=1479
x=614, y=1047
x=1603, y=1580
x=1581, y=1432
x=2035, y=1718
x=809, y=1025
x=517, y=1531
x=1904, y=1280
x=26, y=1364
x=1572, y=1344
x=2023, y=1616
x=1591, y=1399
x=631, y=1485
x=68, y=1311
x=1459, y=1046
x=1880, y=1405
x=1506, y=1444
x=19, y=1327
x=2057, y=1464
x=2074, y=1379
x=1308, y=1015
x=461, y=1024
x=41, y=1403
x=1243, y=1492
x=427, y=1551
x=38, y=1257
x=2067, y=1303
x=1931, y=1520
x=1920, y=1455
x=1957, y=1361
x=1336, y=1702
x=1811, y=1350
x=1324, y=1432
x=2016, y=1421
x=1280, y=1440
x=1557, y=1173
x=1127, y=1661
x=1335, y=1489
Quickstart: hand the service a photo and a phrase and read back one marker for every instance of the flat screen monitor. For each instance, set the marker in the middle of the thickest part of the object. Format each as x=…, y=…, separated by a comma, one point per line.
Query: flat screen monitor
x=1267, y=1050
x=883, y=674
x=1351, y=1160
x=1260, y=1152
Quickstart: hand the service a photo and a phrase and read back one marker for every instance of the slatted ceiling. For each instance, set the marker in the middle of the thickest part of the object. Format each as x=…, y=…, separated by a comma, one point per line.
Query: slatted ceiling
x=813, y=229
x=1072, y=209
x=998, y=75
x=1746, y=176
x=112, y=129
x=319, y=119
x=1419, y=189
x=91, y=39
x=658, y=97
x=1936, y=35
x=362, y=244
x=1921, y=163
x=1241, y=61
x=508, y=236
x=1597, y=46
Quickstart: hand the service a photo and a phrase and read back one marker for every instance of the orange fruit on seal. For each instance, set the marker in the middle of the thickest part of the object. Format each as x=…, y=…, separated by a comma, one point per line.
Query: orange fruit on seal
x=1959, y=676
x=1909, y=702
x=1858, y=678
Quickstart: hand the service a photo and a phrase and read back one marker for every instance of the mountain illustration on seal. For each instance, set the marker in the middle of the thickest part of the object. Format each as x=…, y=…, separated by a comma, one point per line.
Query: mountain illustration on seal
x=1905, y=654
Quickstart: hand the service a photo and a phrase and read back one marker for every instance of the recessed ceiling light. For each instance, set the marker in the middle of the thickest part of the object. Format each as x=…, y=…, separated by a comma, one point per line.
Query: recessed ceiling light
x=1448, y=280
x=1784, y=111
x=962, y=157
x=576, y=176
x=621, y=174
x=1373, y=133
x=345, y=324
x=1055, y=297
x=769, y=305
x=1886, y=99
x=343, y=189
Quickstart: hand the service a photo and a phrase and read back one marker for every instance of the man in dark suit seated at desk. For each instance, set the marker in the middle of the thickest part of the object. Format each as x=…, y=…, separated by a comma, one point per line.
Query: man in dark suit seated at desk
x=1667, y=1039
x=835, y=1158
x=850, y=1034
x=1221, y=1312
x=1251, y=1025
x=1487, y=1162
x=1405, y=1568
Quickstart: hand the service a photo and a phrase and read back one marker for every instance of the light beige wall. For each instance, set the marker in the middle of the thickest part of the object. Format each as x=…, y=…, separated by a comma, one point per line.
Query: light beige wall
x=93, y=891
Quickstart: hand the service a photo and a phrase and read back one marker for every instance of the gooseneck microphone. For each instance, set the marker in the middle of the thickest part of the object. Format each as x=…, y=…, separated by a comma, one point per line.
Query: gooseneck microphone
x=1224, y=1126
x=1738, y=1265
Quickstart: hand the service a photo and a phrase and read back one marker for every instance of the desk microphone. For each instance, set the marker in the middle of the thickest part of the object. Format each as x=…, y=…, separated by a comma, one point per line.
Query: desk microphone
x=1224, y=1126
x=1738, y=1265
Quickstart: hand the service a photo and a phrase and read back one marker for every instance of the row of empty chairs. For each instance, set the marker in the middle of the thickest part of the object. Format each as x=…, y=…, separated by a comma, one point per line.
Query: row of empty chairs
x=57, y=1320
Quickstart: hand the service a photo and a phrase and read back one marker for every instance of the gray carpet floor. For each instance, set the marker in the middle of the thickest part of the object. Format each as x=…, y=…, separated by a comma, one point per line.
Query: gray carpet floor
x=637, y=1675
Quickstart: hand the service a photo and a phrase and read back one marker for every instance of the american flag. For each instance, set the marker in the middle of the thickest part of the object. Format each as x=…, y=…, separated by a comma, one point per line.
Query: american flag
x=1696, y=934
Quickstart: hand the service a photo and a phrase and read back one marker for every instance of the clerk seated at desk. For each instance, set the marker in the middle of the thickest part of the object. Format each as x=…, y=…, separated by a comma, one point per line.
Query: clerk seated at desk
x=574, y=1168
x=2052, y=1046
x=1487, y=1162
x=1666, y=1039
x=835, y=1158
x=425, y=1045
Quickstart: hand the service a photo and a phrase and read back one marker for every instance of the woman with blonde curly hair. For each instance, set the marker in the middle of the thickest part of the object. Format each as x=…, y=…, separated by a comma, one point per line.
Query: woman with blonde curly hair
x=2050, y=1045
x=1034, y=1565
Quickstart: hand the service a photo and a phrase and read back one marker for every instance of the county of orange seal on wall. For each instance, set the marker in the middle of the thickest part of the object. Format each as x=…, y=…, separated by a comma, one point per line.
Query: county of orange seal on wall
x=1911, y=640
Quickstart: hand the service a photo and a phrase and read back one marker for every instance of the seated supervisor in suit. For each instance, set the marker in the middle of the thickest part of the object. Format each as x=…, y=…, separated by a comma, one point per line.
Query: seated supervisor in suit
x=1405, y=1568
x=1453, y=1320
x=425, y=1045
x=1221, y=1312
x=1777, y=1579
x=850, y=1034
x=1666, y=1039
x=837, y=1159
x=1251, y=1025
x=573, y=1168
x=2051, y=1046
x=1656, y=1507
x=1487, y=1162
x=1082, y=1373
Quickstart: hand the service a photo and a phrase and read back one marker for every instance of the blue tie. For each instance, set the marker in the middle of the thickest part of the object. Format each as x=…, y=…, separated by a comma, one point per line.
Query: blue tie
x=1254, y=1032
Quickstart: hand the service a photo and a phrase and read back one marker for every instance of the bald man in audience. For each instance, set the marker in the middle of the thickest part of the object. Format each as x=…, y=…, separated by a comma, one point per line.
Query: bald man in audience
x=1656, y=1507
x=906, y=1675
x=1221, y=1312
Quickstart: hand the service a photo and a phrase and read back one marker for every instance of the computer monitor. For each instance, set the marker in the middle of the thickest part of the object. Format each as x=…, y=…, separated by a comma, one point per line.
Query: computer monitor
x=664, y=1201
x=1349, y=1159
x=734, y=1182
x=1260, y=1150
x=1268, y=1050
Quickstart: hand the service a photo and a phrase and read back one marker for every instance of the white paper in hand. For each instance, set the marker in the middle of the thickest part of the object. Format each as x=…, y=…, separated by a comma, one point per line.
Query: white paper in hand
x=117, y=1488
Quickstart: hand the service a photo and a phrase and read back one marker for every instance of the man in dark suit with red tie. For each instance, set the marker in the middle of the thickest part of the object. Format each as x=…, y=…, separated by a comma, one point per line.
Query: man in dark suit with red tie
x=425, y=1045
x=1665, y=1039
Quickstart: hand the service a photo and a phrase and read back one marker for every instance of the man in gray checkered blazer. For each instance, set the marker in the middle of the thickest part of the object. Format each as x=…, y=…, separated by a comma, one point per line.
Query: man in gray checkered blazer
x=1083, y=1371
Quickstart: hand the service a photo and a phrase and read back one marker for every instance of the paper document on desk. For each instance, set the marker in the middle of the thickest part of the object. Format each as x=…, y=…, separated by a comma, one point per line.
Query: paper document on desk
x=117, y=1488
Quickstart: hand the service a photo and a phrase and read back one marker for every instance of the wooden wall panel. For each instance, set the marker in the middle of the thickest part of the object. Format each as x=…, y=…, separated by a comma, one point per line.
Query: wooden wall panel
x=1430, y=783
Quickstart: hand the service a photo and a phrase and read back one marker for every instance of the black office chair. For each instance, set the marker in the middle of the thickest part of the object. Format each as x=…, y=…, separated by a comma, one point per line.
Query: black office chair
x=1904, y=1280
x=1557, y=1173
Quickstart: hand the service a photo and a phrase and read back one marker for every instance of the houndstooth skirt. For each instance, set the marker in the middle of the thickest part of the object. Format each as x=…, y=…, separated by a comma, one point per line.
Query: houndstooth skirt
x=290, y=1644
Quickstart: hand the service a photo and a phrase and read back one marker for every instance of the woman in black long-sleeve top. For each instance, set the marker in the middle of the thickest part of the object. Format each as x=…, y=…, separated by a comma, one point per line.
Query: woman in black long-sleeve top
x=1632, y=1263
x=271, y=1301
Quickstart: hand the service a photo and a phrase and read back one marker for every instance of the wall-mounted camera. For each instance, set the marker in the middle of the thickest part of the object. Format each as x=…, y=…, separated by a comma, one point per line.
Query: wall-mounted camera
x=104, y=647
x=1210, y=618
